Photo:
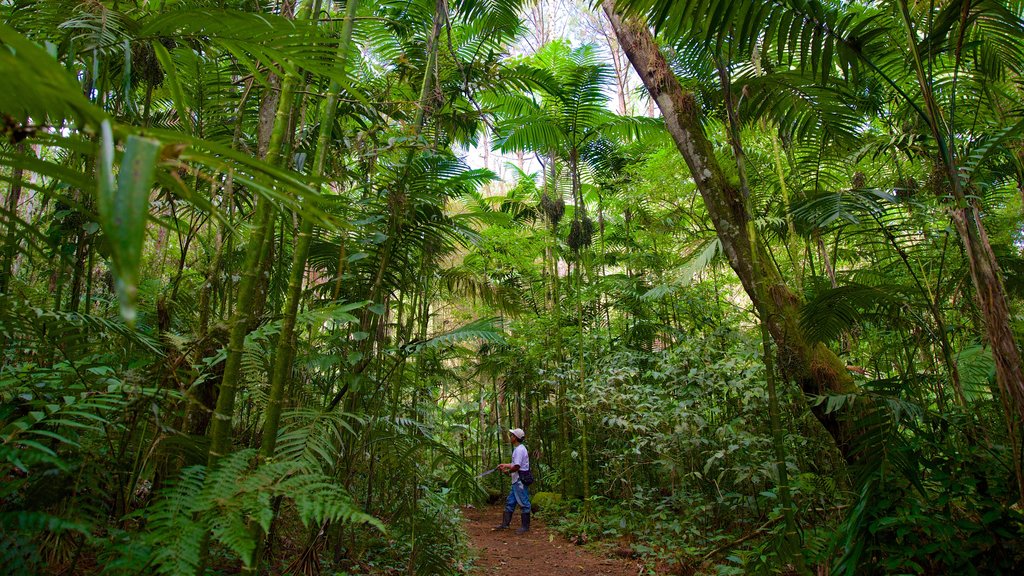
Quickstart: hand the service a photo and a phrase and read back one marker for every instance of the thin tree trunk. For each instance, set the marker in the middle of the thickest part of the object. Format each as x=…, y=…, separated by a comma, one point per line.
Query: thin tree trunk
x=988, y=285
x=286, y=342
x=10, y=246
x=778, y=437
x=992, y=301
x=213, y=271
x=82, y=249
x=220, y=429
x=268, y=107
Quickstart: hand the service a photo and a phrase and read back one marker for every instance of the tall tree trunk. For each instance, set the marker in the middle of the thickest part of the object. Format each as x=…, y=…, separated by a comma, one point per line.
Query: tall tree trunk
x=813, y=366
x=10, y=245
x=286, y=342
x=268, y=109
x=83, y=246
x=792, y=536
x=992, y=301
x=220, y=429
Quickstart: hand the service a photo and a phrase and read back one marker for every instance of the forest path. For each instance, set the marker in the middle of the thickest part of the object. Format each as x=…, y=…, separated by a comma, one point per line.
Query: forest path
x=540, y=551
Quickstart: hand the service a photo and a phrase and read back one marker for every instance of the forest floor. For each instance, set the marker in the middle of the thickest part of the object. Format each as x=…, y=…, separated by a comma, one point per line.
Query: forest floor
x=540, y=551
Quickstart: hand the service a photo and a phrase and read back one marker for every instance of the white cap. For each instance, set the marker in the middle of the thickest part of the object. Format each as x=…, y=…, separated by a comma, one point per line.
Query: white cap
x=517, y=432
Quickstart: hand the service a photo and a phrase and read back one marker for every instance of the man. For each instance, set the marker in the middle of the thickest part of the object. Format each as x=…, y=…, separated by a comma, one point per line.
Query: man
x=519, y=470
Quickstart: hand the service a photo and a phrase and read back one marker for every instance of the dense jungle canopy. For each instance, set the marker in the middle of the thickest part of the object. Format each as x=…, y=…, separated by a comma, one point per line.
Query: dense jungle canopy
x=277, y=277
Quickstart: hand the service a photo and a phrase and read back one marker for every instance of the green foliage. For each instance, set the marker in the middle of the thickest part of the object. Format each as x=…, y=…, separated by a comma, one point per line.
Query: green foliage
x=18, y=552
x=439, y=307
x=229, y=501
x=484, y=330
x=313, y=438
x=44, y=90
x=434, y=537
x=926, y=502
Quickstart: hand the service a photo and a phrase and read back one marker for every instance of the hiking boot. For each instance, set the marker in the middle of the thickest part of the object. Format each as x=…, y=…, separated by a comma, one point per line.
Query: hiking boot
x=526, y=524
x=506, y=519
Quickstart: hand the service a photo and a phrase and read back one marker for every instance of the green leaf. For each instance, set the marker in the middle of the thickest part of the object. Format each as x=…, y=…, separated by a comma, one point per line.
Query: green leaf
x=123, y=209
x=485, y=329
x=171, y=77
x=36, y=86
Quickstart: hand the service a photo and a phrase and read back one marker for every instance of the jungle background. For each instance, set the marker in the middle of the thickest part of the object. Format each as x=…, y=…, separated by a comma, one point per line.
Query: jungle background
x=276, y=277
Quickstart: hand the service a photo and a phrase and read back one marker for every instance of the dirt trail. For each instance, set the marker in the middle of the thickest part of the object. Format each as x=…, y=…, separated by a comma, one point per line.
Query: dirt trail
x=539, y=552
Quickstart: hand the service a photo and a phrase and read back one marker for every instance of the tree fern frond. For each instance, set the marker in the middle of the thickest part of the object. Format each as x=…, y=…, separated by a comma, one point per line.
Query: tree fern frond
x=977, y=372
x=313, y=438
x=175, y=537
x=852, y=206
x=879, y=442
x=319, y=499
x=697, y=260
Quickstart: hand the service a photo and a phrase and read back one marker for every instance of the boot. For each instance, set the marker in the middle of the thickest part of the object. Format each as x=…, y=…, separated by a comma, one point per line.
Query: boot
x=526, y=524
x=506, y=519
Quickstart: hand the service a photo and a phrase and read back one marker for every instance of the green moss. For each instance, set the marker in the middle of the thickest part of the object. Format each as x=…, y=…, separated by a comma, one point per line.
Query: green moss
x=541, y=500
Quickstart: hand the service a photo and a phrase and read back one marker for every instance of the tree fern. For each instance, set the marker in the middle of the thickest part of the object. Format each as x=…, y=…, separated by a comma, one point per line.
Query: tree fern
x=977, y=372
x=835, y=311
x=697, y=260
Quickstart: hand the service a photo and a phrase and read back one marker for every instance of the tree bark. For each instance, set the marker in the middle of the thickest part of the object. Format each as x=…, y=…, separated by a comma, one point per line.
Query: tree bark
x=815, y=368
x=992, y=300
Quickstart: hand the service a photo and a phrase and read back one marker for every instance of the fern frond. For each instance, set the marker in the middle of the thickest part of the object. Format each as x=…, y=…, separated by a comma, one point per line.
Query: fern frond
x=313, y=438
x=485, y=329
x=227, y=499
x=175, y=537
x=319, y=499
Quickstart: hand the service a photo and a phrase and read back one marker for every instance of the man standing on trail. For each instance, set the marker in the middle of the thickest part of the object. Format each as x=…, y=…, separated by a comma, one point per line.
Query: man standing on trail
x=519, y=469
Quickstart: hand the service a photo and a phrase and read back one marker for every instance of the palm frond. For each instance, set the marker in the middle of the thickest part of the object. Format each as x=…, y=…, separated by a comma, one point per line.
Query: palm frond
x=485, y=329
x=826, y=316
x=38, y=87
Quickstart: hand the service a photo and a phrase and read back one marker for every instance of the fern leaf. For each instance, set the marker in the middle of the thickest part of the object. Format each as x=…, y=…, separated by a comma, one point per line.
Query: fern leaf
x=486, y=329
